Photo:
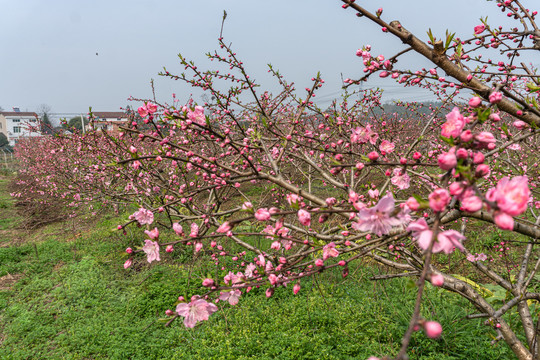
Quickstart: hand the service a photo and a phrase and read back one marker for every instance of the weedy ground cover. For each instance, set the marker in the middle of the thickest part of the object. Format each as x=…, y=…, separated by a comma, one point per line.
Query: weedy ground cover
x=70, y=298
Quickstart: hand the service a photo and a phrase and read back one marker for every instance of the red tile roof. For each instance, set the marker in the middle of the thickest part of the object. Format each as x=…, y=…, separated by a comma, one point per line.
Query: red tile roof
x=15, y=113
x=109, y=114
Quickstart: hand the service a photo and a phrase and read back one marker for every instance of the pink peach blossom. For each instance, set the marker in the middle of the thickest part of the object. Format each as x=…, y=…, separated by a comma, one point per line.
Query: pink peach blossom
x=330, y=250
x=232, y=296
x=195, y=311
x=454, y=124
x=151, y=248
x=511, y=195
x=377, y=219
x=447, y=161
x=438, y=199
x=478, y=29
x=433, y=329
x=495, y=97
x=262, y=214
x=304, y=217
x=144, y=217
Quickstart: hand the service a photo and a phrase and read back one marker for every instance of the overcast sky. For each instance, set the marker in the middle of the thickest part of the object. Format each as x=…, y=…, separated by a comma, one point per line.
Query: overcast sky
x=73, y=54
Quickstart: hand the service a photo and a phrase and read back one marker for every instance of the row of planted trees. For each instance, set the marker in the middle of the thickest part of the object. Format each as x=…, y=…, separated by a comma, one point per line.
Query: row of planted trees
x=274, y=189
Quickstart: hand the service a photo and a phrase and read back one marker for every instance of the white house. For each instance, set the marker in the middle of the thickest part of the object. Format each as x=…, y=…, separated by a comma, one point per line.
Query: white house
x=17, y=124
x=109, y=120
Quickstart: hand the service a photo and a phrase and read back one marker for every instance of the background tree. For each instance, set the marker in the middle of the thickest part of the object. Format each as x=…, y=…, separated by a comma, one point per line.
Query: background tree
x=75, y=123
x=44, y=112
x=45, y=124
x=3, y=140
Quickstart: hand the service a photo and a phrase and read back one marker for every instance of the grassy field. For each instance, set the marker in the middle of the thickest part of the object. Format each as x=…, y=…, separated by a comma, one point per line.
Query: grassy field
x=64, y=294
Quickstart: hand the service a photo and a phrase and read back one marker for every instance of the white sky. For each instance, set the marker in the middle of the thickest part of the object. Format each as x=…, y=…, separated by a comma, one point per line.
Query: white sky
x=48, y=47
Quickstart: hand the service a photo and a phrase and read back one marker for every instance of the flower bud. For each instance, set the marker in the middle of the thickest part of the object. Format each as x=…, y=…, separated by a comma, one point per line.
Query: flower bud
x=433, y=329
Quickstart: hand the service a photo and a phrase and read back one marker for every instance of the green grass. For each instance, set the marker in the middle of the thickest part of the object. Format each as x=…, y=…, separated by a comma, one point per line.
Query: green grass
x=75, y=301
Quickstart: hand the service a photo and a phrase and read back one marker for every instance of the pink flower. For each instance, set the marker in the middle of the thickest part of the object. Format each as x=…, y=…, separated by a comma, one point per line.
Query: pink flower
x=319, y=262
x=144, y=216
x=482, y=170
x=262, y=214
x=447, y=161
x=197, y=115
x=437, y=279
x=511, y=195
x=224, y=228
x=152, y=234
x=152, y=108
x=495, y=117
x=495, y=97
x=447, y=241
x=471, y=203
x=293, y=199
x=457, y=188
x=466, y=136
x=413, y=204
x=142, y=111
x=247, y=206
x=503, y=220
x=304, y=217
x=169, y=248
x=421, y=232
x=273, y=279
x=401, y=179
x=519, y=124
x=232, y=296
x=453, y=125
x=485, y=138
x=330, y=250
x=208, y=282
x=296, y=289
x=234, y=278
x=377, y=219
x=479, y=29
x=195, y=311
x=194, y=230
x=438, y=199
x=475, y=102
x=387, y=147
x=478, y=158
x=373, y=193
x=417, y=155
x=330, y=201
x=433, y=329
x=136, y=164
x=178, y=229
x=128, y=263
x=151, y=248
x=363, y=135
x=373, y=156
x=462, y=153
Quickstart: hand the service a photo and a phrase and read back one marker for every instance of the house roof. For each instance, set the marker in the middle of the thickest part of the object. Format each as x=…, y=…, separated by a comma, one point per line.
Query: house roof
x=17, y=113
x=110, y=114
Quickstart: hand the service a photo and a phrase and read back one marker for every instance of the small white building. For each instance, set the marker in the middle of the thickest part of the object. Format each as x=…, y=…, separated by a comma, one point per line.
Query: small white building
x=17, y=124
x=109, y=120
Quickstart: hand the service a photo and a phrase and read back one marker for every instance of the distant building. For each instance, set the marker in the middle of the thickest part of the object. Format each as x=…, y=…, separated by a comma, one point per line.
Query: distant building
x=18, y=124
x=109, y=120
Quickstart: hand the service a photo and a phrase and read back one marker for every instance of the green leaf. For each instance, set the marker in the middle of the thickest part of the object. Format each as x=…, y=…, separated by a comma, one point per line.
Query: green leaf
x=431, y=37
x=485, y=292
x=449, y=141
x=533, y=87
